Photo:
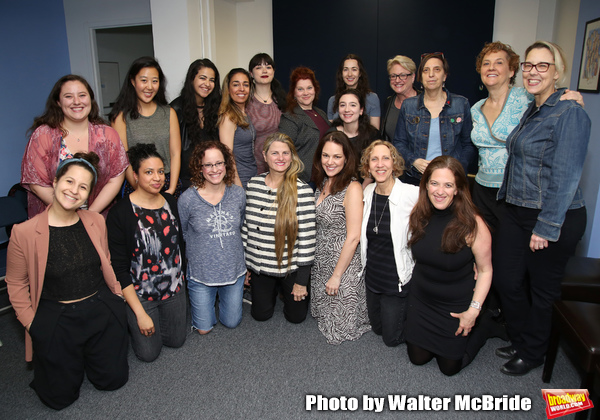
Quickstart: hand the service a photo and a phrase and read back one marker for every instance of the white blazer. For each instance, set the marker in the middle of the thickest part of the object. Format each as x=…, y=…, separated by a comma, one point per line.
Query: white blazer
x=401, y=202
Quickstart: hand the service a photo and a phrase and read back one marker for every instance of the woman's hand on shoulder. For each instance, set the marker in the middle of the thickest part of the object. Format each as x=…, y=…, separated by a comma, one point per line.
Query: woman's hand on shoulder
x=573, y=95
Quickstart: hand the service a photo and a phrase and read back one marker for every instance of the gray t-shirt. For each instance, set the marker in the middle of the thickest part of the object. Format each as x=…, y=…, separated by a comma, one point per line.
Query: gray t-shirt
x=154, y=129
x=214, y=245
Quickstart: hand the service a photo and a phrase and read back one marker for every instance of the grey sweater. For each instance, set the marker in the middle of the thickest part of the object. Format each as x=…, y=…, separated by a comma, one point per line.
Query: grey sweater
x=214, y=250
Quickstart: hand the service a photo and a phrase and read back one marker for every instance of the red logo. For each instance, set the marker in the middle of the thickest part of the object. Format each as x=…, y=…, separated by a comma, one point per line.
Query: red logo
x=560, y=402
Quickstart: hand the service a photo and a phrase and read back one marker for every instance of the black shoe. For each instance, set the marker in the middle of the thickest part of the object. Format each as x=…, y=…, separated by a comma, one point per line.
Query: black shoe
x=518, y=367
x=507, y=352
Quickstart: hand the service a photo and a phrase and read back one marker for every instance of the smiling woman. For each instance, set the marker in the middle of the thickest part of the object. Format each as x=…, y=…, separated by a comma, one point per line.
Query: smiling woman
x=141, y=115
x=447, y=237
x=267, y=102
x=146, y=247
x=545, y=216
x=63, y=289
x=351, y=74
x=197, y=110
x=303, y=122
x=354, y=123
x=71, y=123
x=212, y=212
x=235, y=127
x=279, y=233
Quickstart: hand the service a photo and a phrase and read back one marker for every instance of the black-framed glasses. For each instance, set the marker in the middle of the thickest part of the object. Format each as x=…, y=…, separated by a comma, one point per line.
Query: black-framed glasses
x=541, y=67
x=401, y=76
x=217, y=165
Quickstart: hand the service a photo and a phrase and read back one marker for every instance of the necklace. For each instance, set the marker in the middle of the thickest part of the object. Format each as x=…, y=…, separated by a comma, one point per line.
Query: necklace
x=260, y=97
x=376, y=228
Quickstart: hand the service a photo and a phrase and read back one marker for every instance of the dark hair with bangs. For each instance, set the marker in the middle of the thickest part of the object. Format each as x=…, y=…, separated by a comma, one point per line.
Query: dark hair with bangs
x=276, y=87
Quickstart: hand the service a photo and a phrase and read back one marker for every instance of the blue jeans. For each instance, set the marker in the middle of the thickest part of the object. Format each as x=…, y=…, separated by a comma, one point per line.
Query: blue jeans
x=170, y=326
x=202, y=301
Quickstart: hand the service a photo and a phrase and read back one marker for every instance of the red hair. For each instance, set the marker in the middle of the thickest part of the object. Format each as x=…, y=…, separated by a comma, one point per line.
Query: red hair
x=300, y=73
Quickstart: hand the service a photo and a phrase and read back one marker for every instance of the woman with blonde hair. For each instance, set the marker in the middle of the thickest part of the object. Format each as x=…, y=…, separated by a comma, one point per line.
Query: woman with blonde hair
x=401, y=71
x=279, y=232
x=235, y=127
x=545, y=215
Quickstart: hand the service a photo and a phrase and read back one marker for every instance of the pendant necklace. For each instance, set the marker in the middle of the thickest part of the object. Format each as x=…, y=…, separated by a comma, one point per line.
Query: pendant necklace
x=376, y=228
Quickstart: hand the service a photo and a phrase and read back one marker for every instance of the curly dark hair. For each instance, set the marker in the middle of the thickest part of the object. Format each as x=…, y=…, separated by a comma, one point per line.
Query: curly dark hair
x=198, y=179
x=127, y=101
x=140, y=152
x=53, y=115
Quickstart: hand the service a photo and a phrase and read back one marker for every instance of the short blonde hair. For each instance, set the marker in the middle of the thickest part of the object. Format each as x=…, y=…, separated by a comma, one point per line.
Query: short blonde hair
x=559, y=58
x=398, y=160
x=404, y=61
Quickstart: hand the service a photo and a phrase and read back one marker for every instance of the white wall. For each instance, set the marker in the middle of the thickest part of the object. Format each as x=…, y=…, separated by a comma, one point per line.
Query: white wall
x=521, y=22
x=83, y=16
x=567, y=15
x=242, y=29
x=254, y=30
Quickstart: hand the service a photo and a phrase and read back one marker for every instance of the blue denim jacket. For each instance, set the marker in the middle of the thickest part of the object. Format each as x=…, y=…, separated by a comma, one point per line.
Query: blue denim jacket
x=546, y=152
x=412, y=131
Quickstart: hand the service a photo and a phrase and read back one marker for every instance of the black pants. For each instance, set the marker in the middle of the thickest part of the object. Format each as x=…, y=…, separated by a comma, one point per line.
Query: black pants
x=493, y=212
x=264, y=293
x=72, y=339
x=529, y=282
x=387, y=314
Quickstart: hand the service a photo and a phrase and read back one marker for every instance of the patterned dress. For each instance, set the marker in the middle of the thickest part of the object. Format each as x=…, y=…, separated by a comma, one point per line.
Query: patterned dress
x=342, y=317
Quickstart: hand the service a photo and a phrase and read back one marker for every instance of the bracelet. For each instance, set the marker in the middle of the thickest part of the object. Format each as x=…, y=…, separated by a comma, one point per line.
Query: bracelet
x=476, y=305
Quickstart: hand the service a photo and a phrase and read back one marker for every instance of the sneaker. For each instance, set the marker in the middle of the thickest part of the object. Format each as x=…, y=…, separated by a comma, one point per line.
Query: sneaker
x=247, y=297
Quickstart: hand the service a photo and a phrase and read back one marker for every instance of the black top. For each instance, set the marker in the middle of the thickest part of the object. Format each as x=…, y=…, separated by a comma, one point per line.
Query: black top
x=122, y=224
x=382, y=275
x=73, y=270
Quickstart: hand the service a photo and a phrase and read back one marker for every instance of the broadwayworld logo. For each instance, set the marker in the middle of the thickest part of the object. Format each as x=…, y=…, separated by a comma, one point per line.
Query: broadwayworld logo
x=560, y=402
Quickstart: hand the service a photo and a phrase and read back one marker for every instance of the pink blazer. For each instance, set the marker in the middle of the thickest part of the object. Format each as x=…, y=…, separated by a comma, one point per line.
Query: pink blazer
x=26, y=263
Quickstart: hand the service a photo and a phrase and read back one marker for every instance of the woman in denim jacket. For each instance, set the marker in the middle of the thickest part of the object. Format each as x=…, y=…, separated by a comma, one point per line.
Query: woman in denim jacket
x=434, y=123
x=545, y=215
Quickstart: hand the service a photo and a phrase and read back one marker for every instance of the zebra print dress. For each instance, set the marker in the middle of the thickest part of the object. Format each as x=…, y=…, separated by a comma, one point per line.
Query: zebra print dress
x=342, y=317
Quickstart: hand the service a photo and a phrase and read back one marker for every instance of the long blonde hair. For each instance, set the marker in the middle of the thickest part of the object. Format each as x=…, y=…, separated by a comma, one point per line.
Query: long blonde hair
x=286, y=220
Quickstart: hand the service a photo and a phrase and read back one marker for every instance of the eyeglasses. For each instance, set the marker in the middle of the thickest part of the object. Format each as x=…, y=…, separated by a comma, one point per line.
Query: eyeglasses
x=401, y=76
x=540, y=67
x=216, y=165
x=440, y=54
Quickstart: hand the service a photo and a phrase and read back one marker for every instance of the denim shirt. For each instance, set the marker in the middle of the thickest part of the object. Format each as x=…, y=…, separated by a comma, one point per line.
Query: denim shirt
x=546, y=152
x=412, y=131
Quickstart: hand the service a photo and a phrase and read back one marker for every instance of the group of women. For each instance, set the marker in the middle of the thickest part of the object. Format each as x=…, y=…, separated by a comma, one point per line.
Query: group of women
x=323, y=216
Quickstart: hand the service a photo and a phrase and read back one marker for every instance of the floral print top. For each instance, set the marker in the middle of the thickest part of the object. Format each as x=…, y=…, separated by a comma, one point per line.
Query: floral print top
x=156, y=267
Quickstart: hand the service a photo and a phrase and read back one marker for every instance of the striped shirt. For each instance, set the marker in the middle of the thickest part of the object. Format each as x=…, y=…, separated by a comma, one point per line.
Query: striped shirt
x=259, y=227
